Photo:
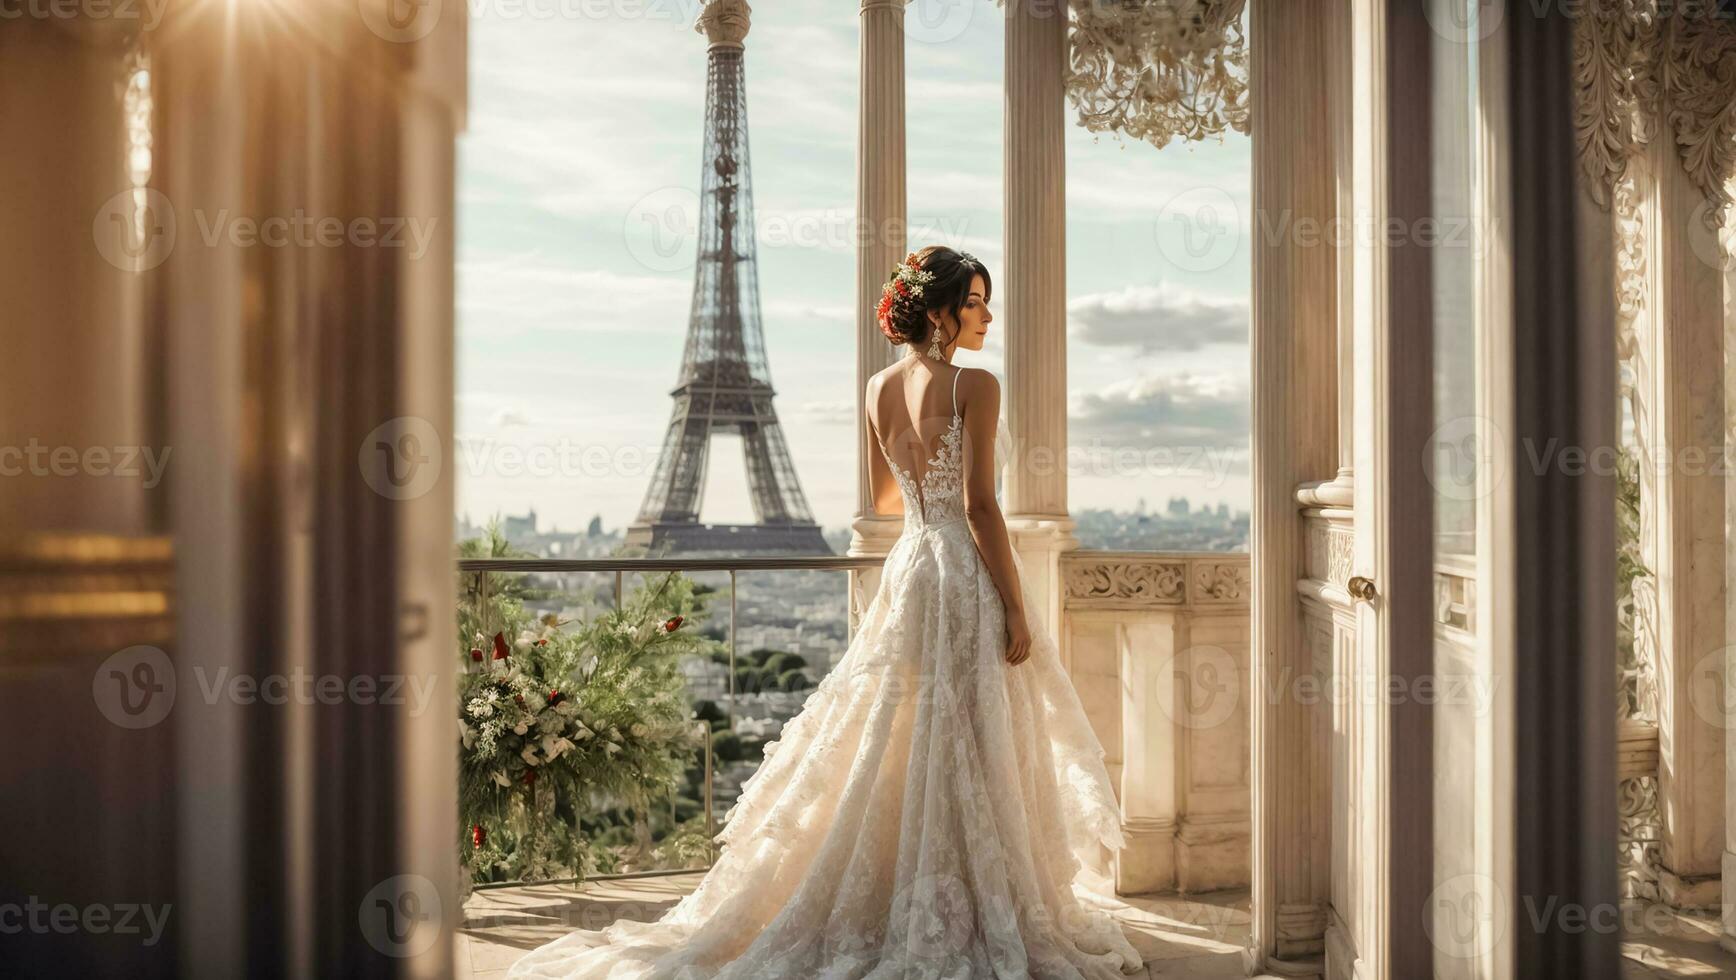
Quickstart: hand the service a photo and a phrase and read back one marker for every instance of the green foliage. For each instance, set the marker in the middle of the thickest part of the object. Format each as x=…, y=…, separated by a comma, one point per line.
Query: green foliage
x=574, y=719
x=686, y=846
x=1627, y=515
x=488, y=602
x=708, y=711
x=750, y=680
x=726, y=746
x=1630, y=567
x=794, y=679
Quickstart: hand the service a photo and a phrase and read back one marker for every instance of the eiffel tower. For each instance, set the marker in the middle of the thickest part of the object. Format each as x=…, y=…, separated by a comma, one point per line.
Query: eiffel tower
x=725, y=383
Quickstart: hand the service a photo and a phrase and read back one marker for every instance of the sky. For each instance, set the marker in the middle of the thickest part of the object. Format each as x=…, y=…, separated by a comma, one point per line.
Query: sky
x=581, y=157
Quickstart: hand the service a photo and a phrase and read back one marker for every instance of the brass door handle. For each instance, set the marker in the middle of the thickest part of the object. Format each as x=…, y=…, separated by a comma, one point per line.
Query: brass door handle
x=1361, y=588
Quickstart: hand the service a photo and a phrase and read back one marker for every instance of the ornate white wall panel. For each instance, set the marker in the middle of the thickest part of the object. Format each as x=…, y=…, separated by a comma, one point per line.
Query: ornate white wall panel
x=1157, y=644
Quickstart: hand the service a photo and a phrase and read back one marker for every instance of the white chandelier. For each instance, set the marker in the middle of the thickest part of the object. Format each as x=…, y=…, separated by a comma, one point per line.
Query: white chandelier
x=1159, y=70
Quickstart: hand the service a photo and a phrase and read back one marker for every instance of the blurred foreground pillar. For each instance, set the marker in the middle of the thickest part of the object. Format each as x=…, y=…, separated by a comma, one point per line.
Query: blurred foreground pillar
x=225, y=637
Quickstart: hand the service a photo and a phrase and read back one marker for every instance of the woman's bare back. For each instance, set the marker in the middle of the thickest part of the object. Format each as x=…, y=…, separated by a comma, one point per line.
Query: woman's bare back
x=912, y=406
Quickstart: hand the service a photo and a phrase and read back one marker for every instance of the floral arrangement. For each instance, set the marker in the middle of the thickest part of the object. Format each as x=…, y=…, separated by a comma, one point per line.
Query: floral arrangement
x=902, y=291
x=561, y=721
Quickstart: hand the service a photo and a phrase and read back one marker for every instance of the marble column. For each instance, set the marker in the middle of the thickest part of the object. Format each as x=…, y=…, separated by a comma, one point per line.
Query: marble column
x=1347, y=240
x=1294, y=343
x=1685, y=549
x=880, y=243
x=1727, y=938
x=1340, y=108
x=1034, y=284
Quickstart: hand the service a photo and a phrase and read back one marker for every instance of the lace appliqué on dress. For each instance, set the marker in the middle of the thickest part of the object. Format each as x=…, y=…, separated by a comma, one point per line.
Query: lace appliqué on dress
x=939, y=497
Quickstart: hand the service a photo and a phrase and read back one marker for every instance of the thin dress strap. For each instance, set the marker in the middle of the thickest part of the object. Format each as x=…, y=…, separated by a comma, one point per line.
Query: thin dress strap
x=955, y=375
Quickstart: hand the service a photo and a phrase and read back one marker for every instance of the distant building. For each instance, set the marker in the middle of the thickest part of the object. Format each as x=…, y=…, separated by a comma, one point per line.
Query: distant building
x=516, y=528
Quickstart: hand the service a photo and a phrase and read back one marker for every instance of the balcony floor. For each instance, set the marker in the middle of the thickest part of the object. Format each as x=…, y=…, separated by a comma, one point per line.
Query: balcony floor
x=1179, y=936
x=1665, y=943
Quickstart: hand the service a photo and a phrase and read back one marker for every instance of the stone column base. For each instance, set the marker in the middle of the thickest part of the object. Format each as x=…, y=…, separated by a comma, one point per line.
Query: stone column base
x=1301, y=937
x=1312, y=969
x=1211, y=855
x=1341, y=959
x=1147, y=863
x=1727, y=935
x=1702, y=891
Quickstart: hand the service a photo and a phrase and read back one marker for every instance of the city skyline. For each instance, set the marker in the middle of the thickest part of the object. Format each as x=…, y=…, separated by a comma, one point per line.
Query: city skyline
x=575, y=268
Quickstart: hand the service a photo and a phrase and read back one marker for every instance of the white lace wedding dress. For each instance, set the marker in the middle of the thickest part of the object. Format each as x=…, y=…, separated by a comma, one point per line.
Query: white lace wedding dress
x=932, y=812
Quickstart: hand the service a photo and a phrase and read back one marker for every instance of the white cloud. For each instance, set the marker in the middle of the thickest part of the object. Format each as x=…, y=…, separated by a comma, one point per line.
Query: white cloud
x=794, y=309
x=826, y=413
x=501, y=294
x=1157, y=318
x=510, y=417
x=1173, y=410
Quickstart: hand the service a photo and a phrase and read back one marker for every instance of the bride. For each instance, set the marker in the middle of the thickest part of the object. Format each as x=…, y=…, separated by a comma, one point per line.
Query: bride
x=939, y=808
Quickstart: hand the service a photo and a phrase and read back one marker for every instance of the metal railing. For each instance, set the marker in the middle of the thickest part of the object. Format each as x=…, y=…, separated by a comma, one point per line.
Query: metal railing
x=621, y=567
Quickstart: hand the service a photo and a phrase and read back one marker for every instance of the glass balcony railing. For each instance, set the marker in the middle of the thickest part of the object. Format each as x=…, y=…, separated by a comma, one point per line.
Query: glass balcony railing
x=612, y=708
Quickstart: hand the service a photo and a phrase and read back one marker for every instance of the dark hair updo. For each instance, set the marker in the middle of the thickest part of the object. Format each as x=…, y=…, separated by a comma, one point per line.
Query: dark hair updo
x=903, y=308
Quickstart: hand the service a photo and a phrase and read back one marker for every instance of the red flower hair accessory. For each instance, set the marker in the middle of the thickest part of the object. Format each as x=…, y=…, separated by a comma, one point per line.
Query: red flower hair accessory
x=903, y=288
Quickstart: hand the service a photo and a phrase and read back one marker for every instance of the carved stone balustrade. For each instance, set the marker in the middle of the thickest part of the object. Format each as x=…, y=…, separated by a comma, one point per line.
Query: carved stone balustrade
x=1157, y=644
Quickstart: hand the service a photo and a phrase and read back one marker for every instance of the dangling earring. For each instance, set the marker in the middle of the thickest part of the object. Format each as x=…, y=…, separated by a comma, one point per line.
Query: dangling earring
x=934, y=350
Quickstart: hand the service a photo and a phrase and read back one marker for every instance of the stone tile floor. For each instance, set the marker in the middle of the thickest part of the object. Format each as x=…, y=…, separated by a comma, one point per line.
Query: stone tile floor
x=1664, y=943
x=1194, y=936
